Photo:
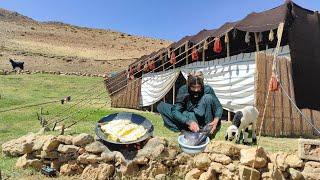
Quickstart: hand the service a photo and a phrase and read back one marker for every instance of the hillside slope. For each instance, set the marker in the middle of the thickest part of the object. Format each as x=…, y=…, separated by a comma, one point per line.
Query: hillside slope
x=55, y=46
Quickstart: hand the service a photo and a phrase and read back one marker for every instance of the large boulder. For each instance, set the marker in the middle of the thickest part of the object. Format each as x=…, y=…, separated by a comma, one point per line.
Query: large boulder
x=82, y=140
x=220, y=158
x=96, y=147
x=51, y=144
x=129, y=169
x=202, y=161
x=68, y=148
x=254, y=156
x=279, y=160
x=193, y=174
x=158, y=168
x=153, y=148
x=99, y=172
x=39, y=141
x=223, y=147
x=49, y=155
x=312, y=167
x=226, y=174
x=20, y=146
x=295, y=174
x=87, y=158
x=182, y=158
x=27, y=161
x=71, y=168
x=65, y=139
x=209, y=175
x=245, y=173
x=274, y=172
x=216, y=167
x=294, y=161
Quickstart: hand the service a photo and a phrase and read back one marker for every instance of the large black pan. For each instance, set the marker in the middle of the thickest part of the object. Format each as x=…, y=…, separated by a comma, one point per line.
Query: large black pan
x=135, y=118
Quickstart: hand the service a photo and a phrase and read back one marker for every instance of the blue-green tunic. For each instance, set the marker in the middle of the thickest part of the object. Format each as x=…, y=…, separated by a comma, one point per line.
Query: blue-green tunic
x=176, y=117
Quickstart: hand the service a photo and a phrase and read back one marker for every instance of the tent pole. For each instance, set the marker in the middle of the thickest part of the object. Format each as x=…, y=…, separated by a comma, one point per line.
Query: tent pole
x=186, y=49
x=256, y=40
x=228, y=55
x=203, y=53
x=164, y=98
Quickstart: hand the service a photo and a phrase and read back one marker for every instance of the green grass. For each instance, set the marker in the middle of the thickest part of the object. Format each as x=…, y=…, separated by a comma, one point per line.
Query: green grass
x=21, y=90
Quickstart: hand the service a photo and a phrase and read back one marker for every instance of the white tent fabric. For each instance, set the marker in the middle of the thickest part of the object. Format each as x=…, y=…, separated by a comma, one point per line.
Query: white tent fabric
x=154, y=86
x=231, y=78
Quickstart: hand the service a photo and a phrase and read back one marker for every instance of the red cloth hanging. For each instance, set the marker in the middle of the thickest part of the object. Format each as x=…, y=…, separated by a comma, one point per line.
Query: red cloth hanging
x=139, y=67
x=217, y=47
x=151, y=65
x=194, y=54
x=273, y=84
x=131, y=71
x=173, y=58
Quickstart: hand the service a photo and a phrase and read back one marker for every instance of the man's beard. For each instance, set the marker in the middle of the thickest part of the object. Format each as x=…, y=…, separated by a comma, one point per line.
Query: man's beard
x=195, y=96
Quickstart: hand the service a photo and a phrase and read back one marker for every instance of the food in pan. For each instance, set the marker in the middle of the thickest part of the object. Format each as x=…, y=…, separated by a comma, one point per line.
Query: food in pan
x=123, y=130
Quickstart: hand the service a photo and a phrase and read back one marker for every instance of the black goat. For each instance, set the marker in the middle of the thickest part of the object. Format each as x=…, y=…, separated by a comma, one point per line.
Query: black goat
x=16, y=64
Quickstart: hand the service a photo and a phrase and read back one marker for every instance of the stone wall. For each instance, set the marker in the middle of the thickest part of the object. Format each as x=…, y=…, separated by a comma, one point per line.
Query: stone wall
x=83, y=156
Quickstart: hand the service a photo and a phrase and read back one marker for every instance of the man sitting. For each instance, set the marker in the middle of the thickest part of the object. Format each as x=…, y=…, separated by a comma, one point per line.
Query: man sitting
x=196, y=105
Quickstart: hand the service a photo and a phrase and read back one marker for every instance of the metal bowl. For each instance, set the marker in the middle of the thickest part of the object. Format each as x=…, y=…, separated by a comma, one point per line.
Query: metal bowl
x=135, y=118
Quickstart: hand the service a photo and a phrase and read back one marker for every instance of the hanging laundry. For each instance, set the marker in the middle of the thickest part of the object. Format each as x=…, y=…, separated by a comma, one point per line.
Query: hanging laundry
x=273, y=84
x=247, y=38
x=146, y=67
x=151, y=65
x=139, y=67
x=131, y=71
x=271, y=35
x=226, y=38
x=194, y=54
x=173, y=58
x=205, y=45
x=168, y=52
x=280, y=30
x=217, y=47
x=234, y=33
x=260, y=37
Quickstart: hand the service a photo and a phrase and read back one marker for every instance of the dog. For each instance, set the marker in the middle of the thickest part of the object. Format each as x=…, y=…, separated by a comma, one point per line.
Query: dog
x=16, y=64
x=241, y=121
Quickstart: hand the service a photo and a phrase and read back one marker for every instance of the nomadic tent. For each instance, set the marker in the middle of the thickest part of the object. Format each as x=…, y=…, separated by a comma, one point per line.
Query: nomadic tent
x=237, y=60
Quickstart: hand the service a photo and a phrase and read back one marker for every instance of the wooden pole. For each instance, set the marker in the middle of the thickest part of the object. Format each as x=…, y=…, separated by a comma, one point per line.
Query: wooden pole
x=228, y=55
x=164, y=98
x=186, y=50
x=256, y=41
x=203, y=53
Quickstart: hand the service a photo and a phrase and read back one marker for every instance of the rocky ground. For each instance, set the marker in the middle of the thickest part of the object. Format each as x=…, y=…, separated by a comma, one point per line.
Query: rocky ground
x=55, y=46
x=83, y=157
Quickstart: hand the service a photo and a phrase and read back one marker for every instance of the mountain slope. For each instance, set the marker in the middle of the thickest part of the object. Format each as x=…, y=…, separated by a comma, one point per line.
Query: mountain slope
x=56, y=46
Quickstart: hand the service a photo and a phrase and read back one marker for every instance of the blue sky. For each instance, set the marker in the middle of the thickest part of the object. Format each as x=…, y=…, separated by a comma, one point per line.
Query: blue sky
x=164, y=19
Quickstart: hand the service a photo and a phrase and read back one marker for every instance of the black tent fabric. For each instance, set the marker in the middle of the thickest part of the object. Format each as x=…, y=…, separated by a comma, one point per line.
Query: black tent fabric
x=304, y=42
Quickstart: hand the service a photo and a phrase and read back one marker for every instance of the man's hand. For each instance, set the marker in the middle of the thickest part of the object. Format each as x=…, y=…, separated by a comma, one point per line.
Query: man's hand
x=193, y=126
x=214, y=124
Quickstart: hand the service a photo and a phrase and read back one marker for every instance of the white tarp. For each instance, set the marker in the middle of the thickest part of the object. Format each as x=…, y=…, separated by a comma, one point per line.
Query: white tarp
x=154, y=86
x=232, y=79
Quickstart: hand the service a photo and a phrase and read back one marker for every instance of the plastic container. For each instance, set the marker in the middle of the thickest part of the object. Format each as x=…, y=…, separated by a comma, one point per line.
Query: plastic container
x=192, y=149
